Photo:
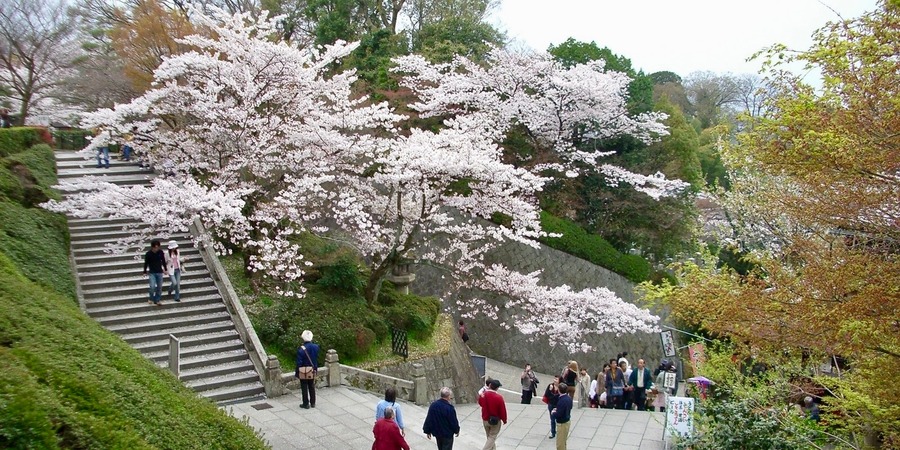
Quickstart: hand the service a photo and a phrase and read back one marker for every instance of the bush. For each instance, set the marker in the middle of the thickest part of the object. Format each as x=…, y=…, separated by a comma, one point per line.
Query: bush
x=591, y=247
x=15, y=140
x=342, y=275
x=74, y=139
x=345, y=324
x=417, y=315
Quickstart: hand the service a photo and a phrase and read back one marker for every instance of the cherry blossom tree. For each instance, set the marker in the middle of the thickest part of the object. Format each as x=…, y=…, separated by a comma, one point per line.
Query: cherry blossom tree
x=265, y=141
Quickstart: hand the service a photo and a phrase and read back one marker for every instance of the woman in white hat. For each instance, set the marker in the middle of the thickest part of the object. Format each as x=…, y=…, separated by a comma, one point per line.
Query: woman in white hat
x=175, y=270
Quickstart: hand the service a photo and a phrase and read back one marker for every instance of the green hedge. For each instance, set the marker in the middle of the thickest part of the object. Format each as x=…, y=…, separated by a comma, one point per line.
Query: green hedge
x=65, y=382
x=17, y=139
x=417, y=315
x=578, y=242
x=74, y=139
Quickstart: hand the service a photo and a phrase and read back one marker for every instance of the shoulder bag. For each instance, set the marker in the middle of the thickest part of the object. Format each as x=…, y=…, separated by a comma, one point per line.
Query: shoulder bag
x=306, y=372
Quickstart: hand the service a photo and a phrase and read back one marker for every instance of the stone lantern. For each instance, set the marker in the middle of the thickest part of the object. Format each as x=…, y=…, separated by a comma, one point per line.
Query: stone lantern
x=400, y=275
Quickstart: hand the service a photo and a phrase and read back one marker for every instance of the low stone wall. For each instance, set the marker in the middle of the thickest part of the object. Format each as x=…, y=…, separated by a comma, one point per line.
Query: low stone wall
x=453, y=369
x=488, y=338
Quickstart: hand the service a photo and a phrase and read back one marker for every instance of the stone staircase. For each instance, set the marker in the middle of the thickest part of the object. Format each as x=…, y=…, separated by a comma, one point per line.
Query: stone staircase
x=214, y=361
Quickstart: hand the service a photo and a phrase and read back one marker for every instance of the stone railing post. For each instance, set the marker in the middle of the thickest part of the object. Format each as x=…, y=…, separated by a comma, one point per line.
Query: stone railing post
x=272, y=381
x=175, y=355
x=334, y=368
x=420, y=385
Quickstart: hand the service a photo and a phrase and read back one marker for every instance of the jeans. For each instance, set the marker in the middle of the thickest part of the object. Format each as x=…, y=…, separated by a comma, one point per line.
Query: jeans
x=103, y=155
x=126, y=153
x=156, y=281
x=444, y=443
x=175, y=284
x=552, y=421
x=491, y=431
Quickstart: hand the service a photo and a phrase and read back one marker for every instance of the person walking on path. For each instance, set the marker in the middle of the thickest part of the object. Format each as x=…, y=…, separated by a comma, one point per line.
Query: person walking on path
x=551, y=394
x=308, y=363
x=441, y=421
x=641, y=381
x=529, y=384
x=563, y=414
x=390, y=401
x=175, y=271
x=155, y=262
x=493, y=411
x=570, y=374
x=387, y=435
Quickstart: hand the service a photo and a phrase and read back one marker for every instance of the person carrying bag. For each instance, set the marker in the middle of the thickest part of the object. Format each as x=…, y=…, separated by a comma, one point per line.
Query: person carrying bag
x=307, y=366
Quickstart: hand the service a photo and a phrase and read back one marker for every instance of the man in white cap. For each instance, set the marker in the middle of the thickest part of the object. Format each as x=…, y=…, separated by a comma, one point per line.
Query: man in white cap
x=307, y=366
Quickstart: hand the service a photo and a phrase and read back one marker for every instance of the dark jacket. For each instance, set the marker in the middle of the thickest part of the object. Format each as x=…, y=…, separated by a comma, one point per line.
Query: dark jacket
x=155, y=261
x=563, y=409
x=619, y=381
x=632, y=380
x=312, y=360
x=441, y=420
x=552, y=396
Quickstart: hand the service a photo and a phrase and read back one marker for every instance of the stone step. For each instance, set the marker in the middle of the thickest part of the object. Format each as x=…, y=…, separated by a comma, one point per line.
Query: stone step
x=114, y=259
x=113, y=233
x=197, y=350
x=217, y=370
x=71, y=171
x=78, y=223
x=202, y=385
x=211, y=359
x=166, y=324
x=231, y=393
x=186, y=341
x=196, y=294
x=180, y=330
x=131, y=275
x=99, y=312
x=138, y=289
x=124, y=179
x=79, y=248
x=192, y=267
x=170, y=310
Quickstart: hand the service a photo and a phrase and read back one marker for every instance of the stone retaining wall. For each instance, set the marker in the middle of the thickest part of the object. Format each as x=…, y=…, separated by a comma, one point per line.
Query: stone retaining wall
x=488, y=338
x=453, y=369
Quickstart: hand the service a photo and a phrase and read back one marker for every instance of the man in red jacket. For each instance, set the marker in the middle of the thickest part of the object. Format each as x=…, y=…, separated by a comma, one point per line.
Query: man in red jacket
x=493, y=411
x=387, y=433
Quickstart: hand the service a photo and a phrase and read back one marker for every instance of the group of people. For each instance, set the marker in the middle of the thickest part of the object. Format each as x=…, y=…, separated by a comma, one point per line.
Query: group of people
x=617, y=385
x=157, y=266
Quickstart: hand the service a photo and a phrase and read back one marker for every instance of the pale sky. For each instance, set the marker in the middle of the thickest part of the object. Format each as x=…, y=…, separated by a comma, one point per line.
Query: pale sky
x=680, y=36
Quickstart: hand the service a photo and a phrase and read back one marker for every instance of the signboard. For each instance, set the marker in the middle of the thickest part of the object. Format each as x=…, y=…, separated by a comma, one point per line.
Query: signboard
x=679, y=417
x=668, y=343
x=669, y=382
x=697, y=354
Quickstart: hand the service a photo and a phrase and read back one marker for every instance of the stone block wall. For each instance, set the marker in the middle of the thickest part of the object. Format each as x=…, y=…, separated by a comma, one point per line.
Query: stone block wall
x=489, y=338
x=453, y=369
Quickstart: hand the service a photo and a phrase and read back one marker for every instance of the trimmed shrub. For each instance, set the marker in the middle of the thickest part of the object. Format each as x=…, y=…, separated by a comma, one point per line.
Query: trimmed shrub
x=417, y=315
x=74, y=139
x=15, y=140
x=591, y=247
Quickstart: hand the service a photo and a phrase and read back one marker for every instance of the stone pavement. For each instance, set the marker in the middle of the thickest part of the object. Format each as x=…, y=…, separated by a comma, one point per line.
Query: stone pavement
x=344, y=417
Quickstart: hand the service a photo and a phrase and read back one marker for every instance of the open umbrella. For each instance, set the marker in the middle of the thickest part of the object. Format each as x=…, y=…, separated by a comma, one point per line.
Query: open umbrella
x=701, y=380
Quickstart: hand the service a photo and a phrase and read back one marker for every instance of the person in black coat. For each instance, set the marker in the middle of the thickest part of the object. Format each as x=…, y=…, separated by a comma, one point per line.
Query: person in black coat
x=308, y=357
x=551, y=393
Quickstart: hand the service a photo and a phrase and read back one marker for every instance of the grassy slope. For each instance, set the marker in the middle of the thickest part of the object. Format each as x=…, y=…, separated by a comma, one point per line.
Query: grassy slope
x=65, y=382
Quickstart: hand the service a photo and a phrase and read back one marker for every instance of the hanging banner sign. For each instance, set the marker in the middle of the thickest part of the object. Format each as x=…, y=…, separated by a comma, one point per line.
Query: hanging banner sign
x=697, y=353
x=668, y=343
x=679, y=417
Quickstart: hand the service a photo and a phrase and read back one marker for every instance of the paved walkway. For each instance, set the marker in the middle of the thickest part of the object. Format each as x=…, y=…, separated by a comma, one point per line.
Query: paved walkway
x=343, y=419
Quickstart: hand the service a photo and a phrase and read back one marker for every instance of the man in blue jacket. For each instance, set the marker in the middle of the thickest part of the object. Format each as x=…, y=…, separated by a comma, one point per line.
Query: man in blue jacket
x=563, y=414
x=307, y=359
x=441, y=420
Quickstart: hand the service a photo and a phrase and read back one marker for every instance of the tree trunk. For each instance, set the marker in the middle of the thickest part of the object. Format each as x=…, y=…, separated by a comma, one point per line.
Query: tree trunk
x=376, y=279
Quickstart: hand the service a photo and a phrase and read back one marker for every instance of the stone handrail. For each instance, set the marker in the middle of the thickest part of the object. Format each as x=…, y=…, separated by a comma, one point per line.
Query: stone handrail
x=268, y=366
x=336, y=374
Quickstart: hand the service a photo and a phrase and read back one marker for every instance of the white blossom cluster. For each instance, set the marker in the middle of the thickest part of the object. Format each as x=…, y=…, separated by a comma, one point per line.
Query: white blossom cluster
x=265, y=141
